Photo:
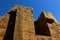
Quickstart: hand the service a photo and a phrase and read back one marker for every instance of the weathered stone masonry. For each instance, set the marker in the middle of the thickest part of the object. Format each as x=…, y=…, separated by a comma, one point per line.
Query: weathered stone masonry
x=19, y=24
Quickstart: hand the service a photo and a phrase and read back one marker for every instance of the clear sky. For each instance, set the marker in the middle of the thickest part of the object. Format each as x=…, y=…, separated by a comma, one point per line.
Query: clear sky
x=38, y=6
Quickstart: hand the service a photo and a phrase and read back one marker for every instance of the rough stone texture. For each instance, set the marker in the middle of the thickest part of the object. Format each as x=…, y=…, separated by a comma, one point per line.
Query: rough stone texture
x=45, y=28
x=3, y=25
x=24, y=29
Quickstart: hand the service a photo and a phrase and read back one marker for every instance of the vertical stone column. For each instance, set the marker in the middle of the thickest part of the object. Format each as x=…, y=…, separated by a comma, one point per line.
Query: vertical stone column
x=28, y=25
x=24, y=28
x=18, y=26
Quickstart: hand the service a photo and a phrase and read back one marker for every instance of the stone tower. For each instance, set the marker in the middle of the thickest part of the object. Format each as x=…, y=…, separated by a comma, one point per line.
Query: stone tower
x=18, y=24
x=47, y=27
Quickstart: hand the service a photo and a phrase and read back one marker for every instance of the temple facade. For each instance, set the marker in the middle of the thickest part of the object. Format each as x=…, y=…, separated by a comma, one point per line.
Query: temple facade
x=18, y=24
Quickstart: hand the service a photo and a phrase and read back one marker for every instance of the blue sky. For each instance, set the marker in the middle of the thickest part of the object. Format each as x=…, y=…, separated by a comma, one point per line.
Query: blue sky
x=38, y=6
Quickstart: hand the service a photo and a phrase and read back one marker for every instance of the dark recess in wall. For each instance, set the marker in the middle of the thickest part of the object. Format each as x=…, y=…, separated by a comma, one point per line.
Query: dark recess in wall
x=41, y=27
x=11, y=26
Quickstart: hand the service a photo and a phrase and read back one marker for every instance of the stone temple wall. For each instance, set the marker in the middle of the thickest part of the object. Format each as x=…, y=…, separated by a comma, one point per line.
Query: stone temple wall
x=18, y=24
